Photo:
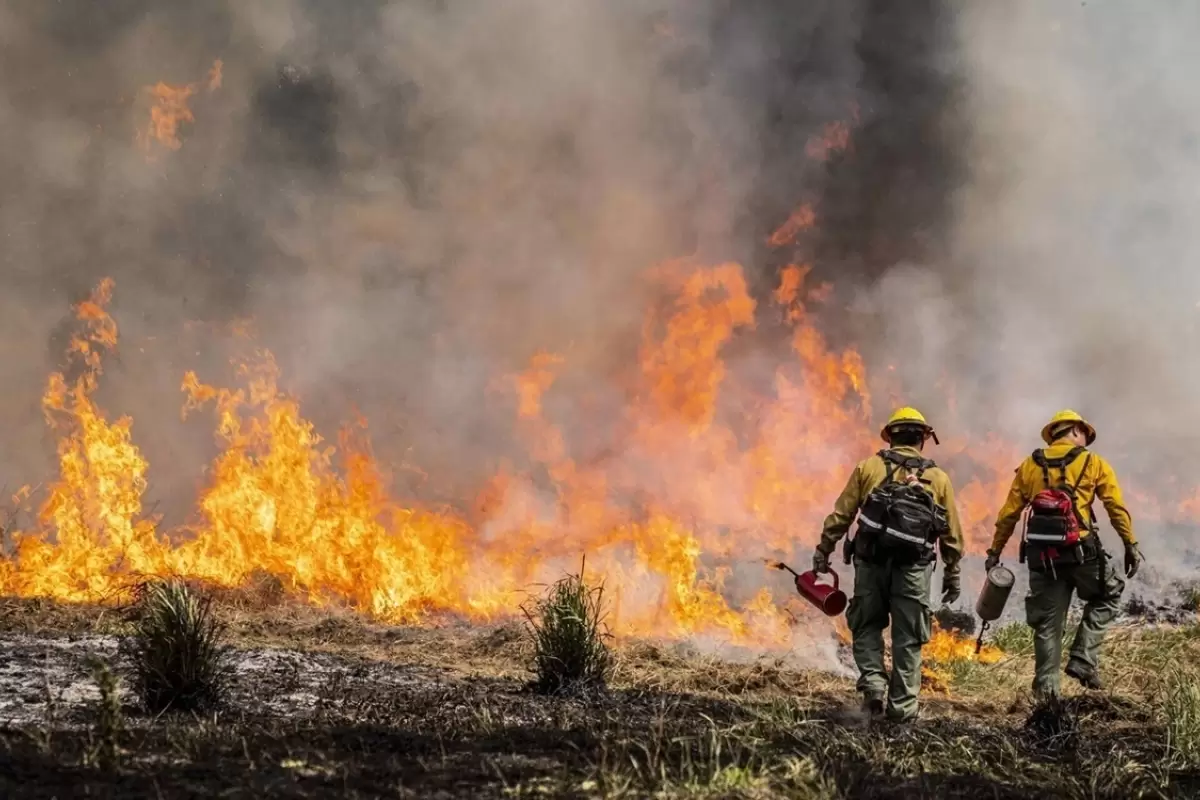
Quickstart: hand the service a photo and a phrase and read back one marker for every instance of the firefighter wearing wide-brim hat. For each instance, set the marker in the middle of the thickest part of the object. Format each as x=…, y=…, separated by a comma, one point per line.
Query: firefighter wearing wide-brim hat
x=1059, y=484
x=905, y=508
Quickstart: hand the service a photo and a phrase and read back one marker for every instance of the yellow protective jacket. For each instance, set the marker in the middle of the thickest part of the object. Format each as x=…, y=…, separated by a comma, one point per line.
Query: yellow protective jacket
x=872, y=472
x=1099, y=480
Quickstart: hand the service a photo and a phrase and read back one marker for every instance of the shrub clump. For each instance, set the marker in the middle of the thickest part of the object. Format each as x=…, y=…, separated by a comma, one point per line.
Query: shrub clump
x=176, y=656
x=570, y=640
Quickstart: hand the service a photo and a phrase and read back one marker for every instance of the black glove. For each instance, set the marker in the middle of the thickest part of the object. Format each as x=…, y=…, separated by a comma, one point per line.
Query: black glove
x=820, y=561
x=951, y=585
x=992, y=560
x=1133, y=559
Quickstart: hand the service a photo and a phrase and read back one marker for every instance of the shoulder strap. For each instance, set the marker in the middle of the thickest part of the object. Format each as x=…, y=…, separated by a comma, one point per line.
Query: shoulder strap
x=1067, y=461
x=1039, y=458
x=1075, y=490
x=1061, y=463
x=1079, y=480
x=922, y=465
x=892, y=460
x=889, y=464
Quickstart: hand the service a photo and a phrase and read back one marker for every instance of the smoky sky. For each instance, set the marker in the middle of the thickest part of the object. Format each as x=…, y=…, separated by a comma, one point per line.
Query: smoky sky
x=789, y=72
x=409, y=198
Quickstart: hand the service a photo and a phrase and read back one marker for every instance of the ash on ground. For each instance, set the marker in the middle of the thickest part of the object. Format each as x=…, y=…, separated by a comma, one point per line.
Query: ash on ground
x=1141, y=609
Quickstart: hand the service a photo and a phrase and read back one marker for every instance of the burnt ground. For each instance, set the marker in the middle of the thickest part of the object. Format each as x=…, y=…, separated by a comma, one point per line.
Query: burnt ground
x=329, y=705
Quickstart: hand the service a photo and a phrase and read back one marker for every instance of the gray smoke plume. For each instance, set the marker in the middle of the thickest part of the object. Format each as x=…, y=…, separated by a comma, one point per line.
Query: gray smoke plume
x=408, y=198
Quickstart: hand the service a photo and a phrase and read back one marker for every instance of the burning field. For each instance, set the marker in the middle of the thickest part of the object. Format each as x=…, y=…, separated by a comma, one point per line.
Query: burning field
x=377, y=643
x=679, y=528
x=363, y=330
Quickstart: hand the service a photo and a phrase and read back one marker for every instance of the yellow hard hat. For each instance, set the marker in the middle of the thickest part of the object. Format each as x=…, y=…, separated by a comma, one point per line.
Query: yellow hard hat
x=906, y=416
x=1067, y=415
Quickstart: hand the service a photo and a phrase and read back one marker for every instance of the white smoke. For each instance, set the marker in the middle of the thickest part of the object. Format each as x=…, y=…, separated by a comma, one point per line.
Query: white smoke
x=1067, y=279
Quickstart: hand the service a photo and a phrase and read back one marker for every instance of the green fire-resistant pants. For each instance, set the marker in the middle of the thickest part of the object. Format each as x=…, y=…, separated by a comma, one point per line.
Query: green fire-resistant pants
x=901, y=592
x=1046, y=608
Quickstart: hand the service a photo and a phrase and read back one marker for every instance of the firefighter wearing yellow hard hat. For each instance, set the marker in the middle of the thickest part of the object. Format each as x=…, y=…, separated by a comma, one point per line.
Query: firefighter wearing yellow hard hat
x=904, y=504
x=1058, y=485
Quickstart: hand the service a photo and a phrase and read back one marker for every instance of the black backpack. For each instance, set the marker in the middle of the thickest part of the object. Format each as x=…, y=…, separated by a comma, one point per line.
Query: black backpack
x=901, y=519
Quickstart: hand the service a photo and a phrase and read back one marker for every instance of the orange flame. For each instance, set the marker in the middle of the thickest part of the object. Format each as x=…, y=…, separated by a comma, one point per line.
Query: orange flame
x=801, y=219
x=170, y=110
x=279, y=503
x=704, y=476
x=943, y=649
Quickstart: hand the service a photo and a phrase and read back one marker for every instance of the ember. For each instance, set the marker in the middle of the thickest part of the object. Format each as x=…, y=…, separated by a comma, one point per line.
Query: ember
x=170, y=110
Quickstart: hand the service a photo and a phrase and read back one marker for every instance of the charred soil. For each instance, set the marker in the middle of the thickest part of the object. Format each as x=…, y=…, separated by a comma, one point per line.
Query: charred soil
x=325, y=704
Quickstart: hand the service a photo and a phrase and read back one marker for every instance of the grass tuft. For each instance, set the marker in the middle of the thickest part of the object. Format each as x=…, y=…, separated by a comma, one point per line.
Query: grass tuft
x=570, y=640
x=1015, y=638
x=711, y=761
x=1053, y=725
x=104, y=737
x=177, y=659
x=1183, y=718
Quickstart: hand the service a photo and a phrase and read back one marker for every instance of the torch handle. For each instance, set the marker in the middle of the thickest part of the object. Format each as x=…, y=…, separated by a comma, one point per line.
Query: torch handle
x=979, y=642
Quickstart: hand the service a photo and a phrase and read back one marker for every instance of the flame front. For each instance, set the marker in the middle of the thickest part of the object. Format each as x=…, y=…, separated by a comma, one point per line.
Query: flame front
x=702, y=477
x=677, y=523
x=94, y=510
x=665, y=524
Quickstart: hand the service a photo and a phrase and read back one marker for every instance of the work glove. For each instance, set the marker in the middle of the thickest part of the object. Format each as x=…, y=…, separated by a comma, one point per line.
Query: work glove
x=993, y=559
x=951, y=585
x=820, y=561
x=1133, y=559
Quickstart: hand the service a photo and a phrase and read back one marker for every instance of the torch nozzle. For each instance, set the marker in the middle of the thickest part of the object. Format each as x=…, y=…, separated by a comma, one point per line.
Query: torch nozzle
x=979, y=642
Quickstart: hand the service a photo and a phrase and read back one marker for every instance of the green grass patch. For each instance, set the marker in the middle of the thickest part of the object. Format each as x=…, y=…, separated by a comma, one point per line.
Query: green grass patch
x=570, y=639
x=1015, y=639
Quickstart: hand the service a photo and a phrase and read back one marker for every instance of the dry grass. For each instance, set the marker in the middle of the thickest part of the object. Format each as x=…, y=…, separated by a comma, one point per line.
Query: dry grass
x=445, y=709
x=105, y=733
x=1182, y=712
